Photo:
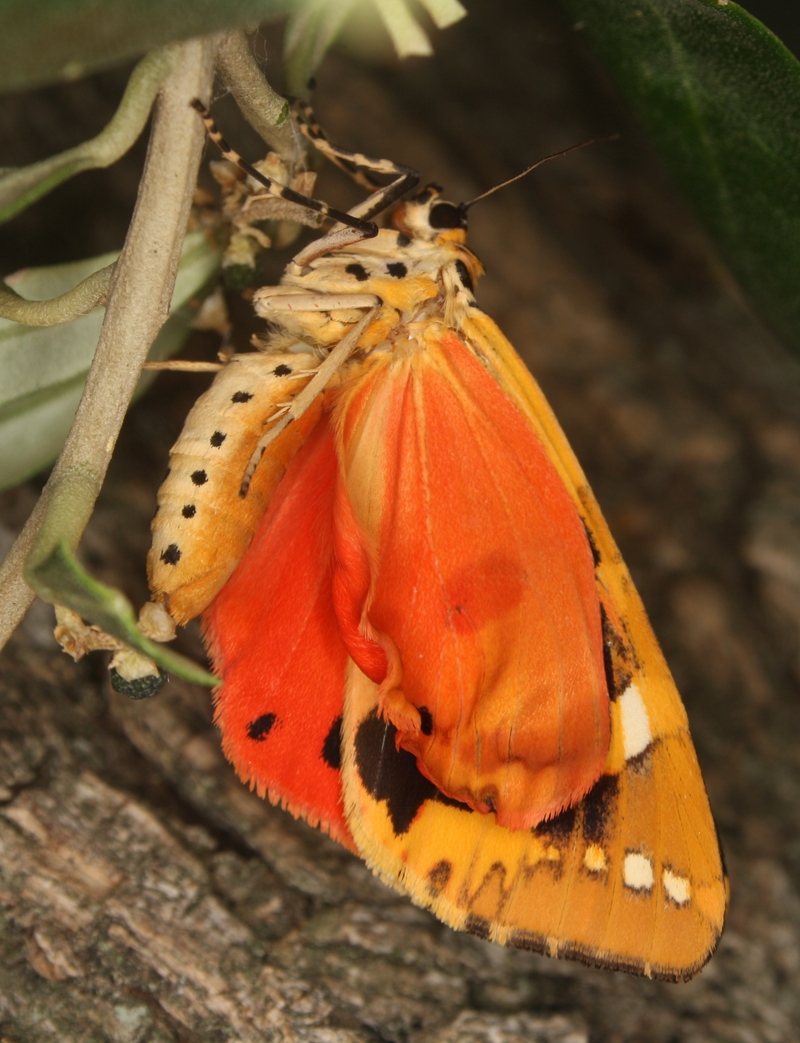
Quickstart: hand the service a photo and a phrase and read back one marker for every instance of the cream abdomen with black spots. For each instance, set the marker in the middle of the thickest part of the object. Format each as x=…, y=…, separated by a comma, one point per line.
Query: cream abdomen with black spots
x=204, y=522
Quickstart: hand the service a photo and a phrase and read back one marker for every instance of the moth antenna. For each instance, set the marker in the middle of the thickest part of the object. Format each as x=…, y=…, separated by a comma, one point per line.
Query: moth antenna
x=367, y=229
x=538, y=163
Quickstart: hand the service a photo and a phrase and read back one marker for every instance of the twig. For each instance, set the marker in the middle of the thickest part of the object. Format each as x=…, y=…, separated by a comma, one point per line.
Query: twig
x=137, y=308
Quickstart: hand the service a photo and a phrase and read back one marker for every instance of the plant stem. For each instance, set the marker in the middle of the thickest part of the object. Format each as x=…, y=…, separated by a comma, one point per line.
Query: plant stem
x=264, y=109
x=90, y=292
x=137, y=307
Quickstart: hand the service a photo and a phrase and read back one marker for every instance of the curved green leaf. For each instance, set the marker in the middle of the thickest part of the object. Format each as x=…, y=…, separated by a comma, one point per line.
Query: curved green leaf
x=21, y=187
x=720, y=95
x=43, y=369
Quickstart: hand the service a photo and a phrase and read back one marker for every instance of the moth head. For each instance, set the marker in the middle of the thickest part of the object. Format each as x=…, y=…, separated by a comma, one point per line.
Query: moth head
x=428, y=217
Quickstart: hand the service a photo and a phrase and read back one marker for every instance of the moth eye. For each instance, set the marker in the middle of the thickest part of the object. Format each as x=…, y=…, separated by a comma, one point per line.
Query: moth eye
x=447, y=215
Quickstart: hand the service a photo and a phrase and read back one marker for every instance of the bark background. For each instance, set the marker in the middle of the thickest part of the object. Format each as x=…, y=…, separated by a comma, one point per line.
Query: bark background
x=145, y=895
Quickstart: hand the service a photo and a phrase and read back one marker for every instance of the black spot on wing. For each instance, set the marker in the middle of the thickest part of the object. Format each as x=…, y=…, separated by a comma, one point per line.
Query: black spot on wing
x=642, y=763
x=529, y=940
x=391, y=775
x=199, y=477
x=217, y=439
x=426, y=720
x=592, y=545
x=558, y=828
x=439, y=876
x=598, y=808
x=241, y=396
x=189, y=510
x=260, y=728
x=358, y=271
x=282, y=370
x=464, y=276
x=332, y=747
x=479, y=926
x=615, y=658
x=592, y=958
x=171, y=555
x=397, y=269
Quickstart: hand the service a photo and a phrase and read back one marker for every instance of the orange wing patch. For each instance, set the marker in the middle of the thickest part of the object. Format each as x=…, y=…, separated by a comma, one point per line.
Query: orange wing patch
x=496, y=679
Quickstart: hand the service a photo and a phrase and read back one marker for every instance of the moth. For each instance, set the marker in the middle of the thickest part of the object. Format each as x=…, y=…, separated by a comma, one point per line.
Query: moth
x=428, y=643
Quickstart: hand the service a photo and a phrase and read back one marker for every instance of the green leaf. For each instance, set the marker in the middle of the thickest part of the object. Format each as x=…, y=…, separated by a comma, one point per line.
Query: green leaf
x=720, y=96
x=43, y=369
x=61, y=580
x=42, y=41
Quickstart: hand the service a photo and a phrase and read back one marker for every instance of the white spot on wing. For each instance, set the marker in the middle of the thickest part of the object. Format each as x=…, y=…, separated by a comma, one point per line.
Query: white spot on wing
x=677, y=887
x=637, y=872
x=636, y=734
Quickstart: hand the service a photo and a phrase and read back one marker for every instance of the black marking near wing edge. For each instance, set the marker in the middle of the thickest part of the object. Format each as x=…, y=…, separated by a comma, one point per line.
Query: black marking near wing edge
x=615, y=658
x=479, y=926
x=558, y=828
x=332, y=747
x=392, y=776
x=598, y=806
x=596, y=558
x=439, y=876
x=260, y=728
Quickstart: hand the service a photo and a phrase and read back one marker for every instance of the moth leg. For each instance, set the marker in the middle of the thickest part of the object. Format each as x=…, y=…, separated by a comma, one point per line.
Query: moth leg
x=333, y=362
x=367, y=229
x=315, y=302
x=358, y=165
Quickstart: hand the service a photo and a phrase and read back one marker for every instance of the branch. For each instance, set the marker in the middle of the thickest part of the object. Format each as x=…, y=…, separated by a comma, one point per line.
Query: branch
x=90, y=292
x=138, y=306
x=263, y=108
